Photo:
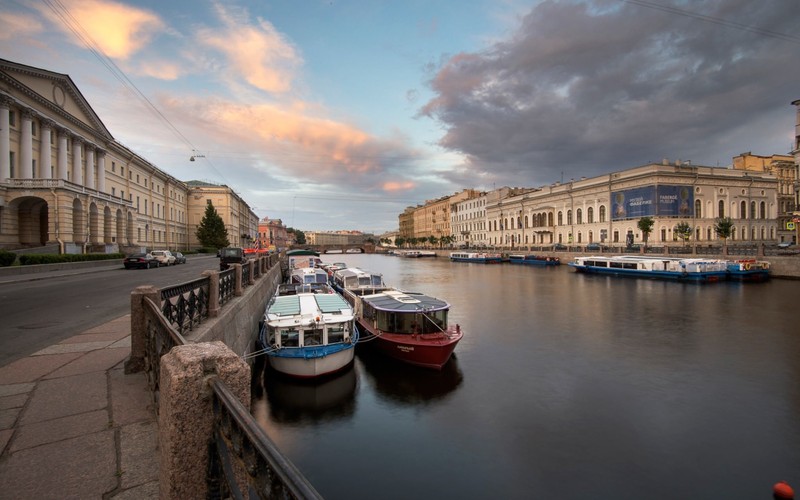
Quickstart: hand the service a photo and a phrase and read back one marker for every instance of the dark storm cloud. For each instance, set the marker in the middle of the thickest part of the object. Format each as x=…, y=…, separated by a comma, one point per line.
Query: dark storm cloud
x=584, y=88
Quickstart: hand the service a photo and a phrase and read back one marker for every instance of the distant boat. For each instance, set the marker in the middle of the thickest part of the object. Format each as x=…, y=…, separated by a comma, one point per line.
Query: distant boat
x=478, y=257
x=416, y=254
x=354, y=250
x=667, y=268
x=748, y=270
x=309, y=331
x=534, y=260
x=333, y=250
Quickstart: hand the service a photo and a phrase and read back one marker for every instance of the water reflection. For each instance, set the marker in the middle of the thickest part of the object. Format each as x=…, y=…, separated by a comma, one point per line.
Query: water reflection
x=314, y=401
x=399, y=382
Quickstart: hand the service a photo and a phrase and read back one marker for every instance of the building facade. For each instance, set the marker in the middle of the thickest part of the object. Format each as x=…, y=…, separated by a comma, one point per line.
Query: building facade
x=272, y=234
x=239, y=219
x=68, y=185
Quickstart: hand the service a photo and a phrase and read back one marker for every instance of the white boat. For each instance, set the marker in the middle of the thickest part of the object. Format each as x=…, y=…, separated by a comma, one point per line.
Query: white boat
x=668, y=268
x=309, y=331
x=417, y=254
x=353, y=278
x=308, y=275
x=479, y=257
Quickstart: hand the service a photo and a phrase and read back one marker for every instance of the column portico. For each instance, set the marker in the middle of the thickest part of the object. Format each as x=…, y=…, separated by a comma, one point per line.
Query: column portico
x=89, y=166
x=5, y=138
x=45, y=158
x=63, y=166
x=26, y=146
x=77, y=167
x=101, y=170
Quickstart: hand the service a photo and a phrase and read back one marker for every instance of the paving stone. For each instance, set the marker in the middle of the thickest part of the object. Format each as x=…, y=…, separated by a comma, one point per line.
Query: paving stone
x=124, y=342
x=95, y=361
x=60, y=397
x=131, y=400
x=138, y=451
x=16, y=401
x=147, y=491
x=123, y=323
x=59, y=429
x=12, y=389
x=96, y=337
x=5, y=436
x=34, y=367
x=9, y=417
x=64, y=348
x=81, y=467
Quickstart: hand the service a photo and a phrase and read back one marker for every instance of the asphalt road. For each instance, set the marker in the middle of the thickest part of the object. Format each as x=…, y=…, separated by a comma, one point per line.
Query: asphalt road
x=39, y=310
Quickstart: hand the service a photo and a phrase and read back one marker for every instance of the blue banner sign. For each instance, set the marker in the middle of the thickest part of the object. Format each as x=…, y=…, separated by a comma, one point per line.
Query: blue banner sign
x=652, y=201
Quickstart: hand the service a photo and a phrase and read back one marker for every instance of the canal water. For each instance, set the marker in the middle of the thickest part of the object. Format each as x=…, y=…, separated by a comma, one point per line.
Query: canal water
x=565, y=386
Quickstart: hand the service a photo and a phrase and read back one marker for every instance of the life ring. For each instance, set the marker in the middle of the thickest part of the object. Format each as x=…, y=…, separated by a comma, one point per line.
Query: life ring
x=765, y=265
x=746, y=266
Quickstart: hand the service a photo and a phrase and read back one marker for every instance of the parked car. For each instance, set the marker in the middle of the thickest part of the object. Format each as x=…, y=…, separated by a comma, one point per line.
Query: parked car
x=140, y=261
x=164, y=257
x=559, y=246
x=785, y=244
x=593, y=247
x=180, y=258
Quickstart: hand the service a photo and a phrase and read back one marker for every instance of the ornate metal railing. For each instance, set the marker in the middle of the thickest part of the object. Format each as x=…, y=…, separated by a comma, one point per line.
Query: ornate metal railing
x=227, y=285
x=186, y=305
x=237, y=438
x=160, y=337
x=245, y=275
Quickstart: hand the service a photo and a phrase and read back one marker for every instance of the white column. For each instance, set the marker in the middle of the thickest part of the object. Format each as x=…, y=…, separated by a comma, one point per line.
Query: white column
x=45, y=158
x=101, y=171
x=5, y=138
x=90, y=166
x=77, y=166
x=63, y=164
x=26, y=146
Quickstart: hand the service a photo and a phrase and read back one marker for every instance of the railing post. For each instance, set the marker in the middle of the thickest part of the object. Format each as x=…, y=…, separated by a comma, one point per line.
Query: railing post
x=252, y=280
x=213, y=292
x=238, y=286
x=186, y=416
x=135, y=363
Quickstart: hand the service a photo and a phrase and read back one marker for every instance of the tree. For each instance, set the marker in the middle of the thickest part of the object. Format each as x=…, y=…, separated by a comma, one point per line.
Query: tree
x=645, y=225
x=399, y=241
x=299, y=236
x=683, y=231
x=724, y=229
x=211, y=232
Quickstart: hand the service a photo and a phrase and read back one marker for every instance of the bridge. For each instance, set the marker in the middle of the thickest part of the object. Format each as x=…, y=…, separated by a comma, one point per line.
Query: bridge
x=335, y=249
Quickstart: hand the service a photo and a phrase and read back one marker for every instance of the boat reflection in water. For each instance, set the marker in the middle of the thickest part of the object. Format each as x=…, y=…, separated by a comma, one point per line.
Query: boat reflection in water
x=290, y=400
x=400, y=382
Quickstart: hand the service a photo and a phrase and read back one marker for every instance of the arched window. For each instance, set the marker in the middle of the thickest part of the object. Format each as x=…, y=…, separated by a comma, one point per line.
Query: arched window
x=753, y=210
x=579, y=216
x=550, y=218
x=763, y=210
x=602, y=213
x=560, y=219
x=526, y=223
x=721, y=209
x=698, y=209
x=569, y=217
x=743, y=210
x=590, y=218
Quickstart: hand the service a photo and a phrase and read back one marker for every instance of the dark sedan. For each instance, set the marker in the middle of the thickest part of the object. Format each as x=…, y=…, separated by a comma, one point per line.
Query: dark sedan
x=140, y=261
x=180, y=258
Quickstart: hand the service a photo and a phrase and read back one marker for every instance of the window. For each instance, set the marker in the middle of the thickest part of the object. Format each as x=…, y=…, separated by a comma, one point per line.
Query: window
x=590, y=215
x=698, y=209
x=743, y=210
x=579, y=216
x=114, y=166
x=113, y=191
x=560, y=219
x=12, y=163
x=569, y=217
x=33, y=128
x=721, y=208
x=753, y=210
x=137, y=178
x=763, y=210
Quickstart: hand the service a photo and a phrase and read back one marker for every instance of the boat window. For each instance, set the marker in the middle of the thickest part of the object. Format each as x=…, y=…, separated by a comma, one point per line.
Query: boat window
x=312, y=337
x=363, y=281
x=376, y=281
x=615, y=264
x=434, y=322
x=336, y=333
x=290, y=338
x=629, y=265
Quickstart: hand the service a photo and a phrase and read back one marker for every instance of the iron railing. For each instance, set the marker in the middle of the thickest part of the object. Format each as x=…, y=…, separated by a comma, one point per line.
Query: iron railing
x=186, y=305
x=227, y=285
x=245, y=275
x=159, y=339
x=238, y=439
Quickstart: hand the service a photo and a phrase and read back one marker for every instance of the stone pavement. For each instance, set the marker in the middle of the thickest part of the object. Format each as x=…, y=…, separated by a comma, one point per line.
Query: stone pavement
x=74, y=425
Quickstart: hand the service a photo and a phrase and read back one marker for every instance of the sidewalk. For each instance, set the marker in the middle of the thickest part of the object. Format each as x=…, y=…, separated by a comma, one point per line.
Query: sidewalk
x=73, y=425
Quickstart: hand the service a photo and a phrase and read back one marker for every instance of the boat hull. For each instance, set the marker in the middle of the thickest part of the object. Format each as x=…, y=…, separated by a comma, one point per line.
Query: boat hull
x=695, y=277
x=478, y=260
x=311, y=363
x=540, y=261
x=428, y=351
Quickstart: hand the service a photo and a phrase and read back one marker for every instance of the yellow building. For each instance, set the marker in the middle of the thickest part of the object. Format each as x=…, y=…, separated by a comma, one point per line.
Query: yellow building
x=784, y=168
x=240, y=221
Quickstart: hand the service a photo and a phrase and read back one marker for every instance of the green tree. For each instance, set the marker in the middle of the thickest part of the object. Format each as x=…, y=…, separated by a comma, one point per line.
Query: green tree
x=211, y=232
x=399, y=241
x=645, y=225
x=683, y=231
x=299, y=236
x=724, y=229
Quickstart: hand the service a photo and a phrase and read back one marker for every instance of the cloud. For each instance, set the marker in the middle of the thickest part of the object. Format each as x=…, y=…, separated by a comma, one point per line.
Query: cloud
x=256, y=52
x=392, y=186
x=591, y=87
x=117, y=29
x=18, y=25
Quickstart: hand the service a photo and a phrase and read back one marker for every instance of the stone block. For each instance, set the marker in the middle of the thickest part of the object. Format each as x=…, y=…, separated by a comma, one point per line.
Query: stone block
x=29, y=436
x=34, y=367
x=94, y=361
x=60, y=397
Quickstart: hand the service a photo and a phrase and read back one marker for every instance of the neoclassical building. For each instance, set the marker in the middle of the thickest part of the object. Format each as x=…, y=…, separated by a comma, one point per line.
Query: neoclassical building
x=606, y=209
x=67, y=184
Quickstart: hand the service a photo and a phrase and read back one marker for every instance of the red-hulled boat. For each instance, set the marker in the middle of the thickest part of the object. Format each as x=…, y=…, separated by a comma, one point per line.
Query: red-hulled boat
x=408, y=326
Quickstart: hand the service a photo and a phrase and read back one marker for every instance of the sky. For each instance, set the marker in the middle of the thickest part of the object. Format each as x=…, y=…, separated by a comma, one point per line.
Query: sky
x=339, y=114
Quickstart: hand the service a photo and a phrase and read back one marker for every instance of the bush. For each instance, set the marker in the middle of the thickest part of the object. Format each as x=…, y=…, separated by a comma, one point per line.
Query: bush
x=33, y=259
x=7, y=258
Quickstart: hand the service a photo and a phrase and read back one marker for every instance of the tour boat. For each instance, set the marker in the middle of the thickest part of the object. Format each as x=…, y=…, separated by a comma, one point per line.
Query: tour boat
x=668, y=268
x=479, y=257
x=534, y=260
x=408, y=326
x=309, y=331
x=303, y=258
x=416, y=254
x=748, y=270
x=308, y=275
